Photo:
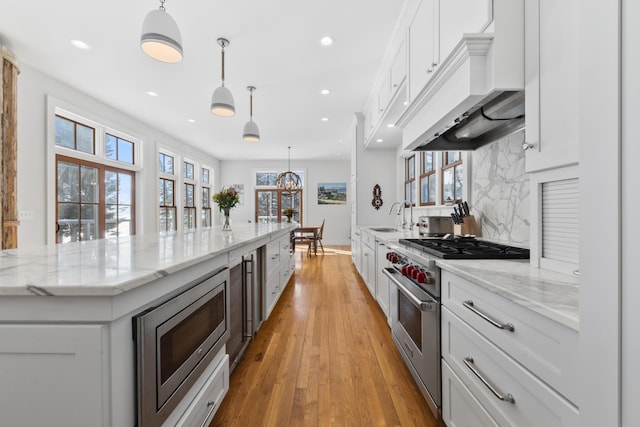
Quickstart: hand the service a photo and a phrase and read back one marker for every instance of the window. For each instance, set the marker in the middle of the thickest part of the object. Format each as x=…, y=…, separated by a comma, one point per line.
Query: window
x=452, y=177
x=189, y=204
x=74, y=135
x=427, y=179
x=410, y=179
x=166, y=193
x=119, y=149
x=188, y=170
x=206, y=198
x=93, y=200
x=266, y=179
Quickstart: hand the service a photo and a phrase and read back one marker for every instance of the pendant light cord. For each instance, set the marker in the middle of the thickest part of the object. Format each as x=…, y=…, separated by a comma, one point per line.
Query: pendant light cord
x=223, y=65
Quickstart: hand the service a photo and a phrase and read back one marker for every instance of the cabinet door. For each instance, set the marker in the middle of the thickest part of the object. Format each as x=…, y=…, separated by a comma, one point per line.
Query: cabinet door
x=53, y=375
x=458, y=17
x=398, y=69
x=383, y=95
x=382, y=281
x=421, y=47
x=552, y=61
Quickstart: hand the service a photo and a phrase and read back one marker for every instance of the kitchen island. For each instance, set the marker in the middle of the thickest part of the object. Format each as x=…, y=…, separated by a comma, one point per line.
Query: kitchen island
x=66, y=346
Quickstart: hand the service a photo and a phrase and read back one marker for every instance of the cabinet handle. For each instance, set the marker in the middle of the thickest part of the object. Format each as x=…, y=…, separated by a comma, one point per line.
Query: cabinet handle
x=212, y=407
x=434, y=64
x=527, y=146
x=508, y=326
x=430, y=70
x=505, y=398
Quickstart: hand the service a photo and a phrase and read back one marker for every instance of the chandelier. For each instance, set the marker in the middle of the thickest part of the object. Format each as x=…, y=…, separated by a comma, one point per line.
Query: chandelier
x=288, y=180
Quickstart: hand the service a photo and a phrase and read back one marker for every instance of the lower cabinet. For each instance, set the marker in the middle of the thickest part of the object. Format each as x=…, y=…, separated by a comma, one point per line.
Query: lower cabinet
x=209, y=398
x=280, y=266
x=61, y=370
x=382, y=281
x=503, y=364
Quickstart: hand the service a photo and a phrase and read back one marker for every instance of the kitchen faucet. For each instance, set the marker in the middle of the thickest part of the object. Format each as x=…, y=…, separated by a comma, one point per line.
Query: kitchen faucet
x=403, y=205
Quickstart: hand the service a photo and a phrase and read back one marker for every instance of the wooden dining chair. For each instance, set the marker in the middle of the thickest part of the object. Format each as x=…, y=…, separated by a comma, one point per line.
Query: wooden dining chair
x=317, y=239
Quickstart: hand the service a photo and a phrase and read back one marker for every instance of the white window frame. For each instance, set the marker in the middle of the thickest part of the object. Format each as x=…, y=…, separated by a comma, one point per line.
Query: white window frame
x=438, y=161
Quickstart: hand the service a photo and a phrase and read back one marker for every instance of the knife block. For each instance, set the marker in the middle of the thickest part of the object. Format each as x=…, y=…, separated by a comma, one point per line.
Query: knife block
x=469, y=226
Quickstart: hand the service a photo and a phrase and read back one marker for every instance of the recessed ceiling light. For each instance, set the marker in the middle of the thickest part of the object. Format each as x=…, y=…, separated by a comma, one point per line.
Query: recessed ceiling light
x=337, y=154
x=152, y=93
x=325, y=91
x=80, y=44
x=340, y=140
x=325, y=119
x=326, y=41
x=390, y=125
x=191, y=120
x=379, y=140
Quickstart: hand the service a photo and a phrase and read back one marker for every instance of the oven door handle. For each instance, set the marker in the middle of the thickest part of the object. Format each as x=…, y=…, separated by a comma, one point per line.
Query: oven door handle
x=431, y=305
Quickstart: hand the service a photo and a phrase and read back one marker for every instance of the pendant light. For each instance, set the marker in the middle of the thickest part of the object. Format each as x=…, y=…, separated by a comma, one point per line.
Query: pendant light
x=160, y=37
x=222, y=101
x=251, y=132
x=288, y=180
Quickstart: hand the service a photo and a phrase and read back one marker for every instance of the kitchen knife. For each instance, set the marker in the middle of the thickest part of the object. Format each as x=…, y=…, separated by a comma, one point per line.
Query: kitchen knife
x=461, y=210
x=457, y=212
x=454, y=217
x=466, y=208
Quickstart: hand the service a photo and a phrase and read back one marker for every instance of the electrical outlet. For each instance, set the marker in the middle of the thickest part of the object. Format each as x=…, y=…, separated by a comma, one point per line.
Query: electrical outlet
x=25, y=215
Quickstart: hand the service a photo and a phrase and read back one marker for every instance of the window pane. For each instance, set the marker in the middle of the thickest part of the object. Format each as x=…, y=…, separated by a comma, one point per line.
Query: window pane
x=206, y=198
x=452, y=157
x=125, y=151
x=267, y=208
x=424, y=190
x=125, y=189
x=188, y=170
x=167, y=219
x=427, y=161
x=411, y=172
x=432, y=188
x=84, y=138
x=168, y=193
x=89, y=182
x=447, y=185
x=124, y=220
x=161, y=191
x=68, y=182
x=206, y=217
x=168, y=164
x=458, y=182
x=205, y=176
x=65, y=133
x=111, y=220
x=188, y=195
x=68, y=222
x=111, y=147
x=189, y=218
x=89, y=222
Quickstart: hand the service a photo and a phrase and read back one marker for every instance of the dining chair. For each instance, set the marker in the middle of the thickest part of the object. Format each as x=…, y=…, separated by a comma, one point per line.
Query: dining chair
x=317, y=239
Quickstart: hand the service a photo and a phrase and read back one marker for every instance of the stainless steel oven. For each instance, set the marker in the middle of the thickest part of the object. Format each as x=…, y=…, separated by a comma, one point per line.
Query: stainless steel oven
x=415, y=321
x=175, y=341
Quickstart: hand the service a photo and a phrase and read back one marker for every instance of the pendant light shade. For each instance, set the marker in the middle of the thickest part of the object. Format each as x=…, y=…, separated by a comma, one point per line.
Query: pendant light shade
x=222, y=100
x=160, y=37
x=251, y=132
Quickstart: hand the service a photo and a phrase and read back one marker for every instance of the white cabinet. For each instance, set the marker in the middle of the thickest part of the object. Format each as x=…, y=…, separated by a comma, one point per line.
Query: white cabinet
x=552, y=83
x=517, y=365
x=434, y=31
x=368, y=272
x=280, y=266
x=398, y=71
x=356, y=252
x=382, y=281
x=459, y=407
x=61, y=368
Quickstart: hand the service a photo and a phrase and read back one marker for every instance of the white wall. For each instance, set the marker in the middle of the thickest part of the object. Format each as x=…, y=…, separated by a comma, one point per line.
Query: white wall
x=336, y=230
x=36, y=180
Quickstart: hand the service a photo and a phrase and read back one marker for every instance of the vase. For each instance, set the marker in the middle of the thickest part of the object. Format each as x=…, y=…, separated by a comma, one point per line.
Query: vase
x=288, y=218
x=226, y=225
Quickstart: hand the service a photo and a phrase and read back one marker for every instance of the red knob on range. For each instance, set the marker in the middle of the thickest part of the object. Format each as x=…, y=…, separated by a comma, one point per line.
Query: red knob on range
x=405, y=270
x=414, y=273
x=394, y=258
x=409, y=270
x=422, y=277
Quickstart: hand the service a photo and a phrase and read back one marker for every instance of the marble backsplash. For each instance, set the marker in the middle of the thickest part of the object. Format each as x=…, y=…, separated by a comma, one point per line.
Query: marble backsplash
x=500, y=191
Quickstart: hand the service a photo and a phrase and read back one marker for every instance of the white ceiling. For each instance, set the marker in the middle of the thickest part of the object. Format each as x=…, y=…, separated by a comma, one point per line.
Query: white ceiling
x=274, y=46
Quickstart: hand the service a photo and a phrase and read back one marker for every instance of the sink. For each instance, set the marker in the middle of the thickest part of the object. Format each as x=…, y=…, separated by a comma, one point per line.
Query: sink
x=384, y=229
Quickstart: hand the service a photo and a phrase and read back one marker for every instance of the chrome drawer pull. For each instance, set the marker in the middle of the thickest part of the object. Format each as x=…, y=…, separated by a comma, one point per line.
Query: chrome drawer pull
x=508, y=326
x=508, y=398
x=212, y=406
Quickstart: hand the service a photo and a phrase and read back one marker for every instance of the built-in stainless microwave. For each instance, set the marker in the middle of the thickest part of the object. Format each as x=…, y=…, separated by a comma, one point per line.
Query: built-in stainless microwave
x=175, y=341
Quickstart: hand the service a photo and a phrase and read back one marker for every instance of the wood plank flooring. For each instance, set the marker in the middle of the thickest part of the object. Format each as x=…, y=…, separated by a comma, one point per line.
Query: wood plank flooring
x=324, y=357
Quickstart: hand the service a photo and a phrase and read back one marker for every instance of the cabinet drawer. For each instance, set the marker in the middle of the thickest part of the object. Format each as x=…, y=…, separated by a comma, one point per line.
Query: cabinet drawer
x=534, y=403
x=545, y=347
x=459, y=407
x=209, y=398
x=285, y=246
x=273, y=257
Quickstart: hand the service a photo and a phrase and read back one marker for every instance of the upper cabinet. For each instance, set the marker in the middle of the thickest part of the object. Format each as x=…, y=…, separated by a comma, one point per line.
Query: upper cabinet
x=435, y=30
x=551, y=72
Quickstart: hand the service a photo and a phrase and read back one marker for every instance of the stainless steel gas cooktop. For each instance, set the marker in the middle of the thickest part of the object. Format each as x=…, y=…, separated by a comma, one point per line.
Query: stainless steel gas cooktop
x=466, y=248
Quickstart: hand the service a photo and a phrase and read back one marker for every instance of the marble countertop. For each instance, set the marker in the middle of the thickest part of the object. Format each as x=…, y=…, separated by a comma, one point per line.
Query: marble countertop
x=108, y=267
x=548, y=293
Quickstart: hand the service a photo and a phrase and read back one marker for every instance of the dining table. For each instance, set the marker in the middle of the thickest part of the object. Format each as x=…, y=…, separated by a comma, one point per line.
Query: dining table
x=307, y=233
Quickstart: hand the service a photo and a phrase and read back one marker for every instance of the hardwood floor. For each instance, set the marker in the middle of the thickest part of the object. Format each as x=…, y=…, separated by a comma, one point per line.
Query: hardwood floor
x=324, y=357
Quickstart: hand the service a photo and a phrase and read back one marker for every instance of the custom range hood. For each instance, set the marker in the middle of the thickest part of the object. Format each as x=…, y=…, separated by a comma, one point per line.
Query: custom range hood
x=496, y=117
x=476, y=94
